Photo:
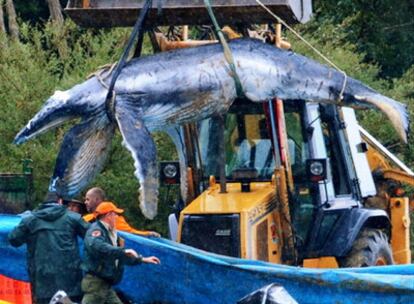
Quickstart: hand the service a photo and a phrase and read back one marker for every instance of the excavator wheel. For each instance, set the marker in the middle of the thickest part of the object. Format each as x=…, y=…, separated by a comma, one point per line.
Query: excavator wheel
x=371, y=248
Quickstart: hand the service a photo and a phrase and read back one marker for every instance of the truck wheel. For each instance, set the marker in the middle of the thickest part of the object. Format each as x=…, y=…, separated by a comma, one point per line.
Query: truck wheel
x=371, y=248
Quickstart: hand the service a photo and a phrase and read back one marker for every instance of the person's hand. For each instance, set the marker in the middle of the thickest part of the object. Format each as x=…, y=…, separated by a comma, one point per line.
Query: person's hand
x=131, y=253
x=154, y=234
x=151, y=260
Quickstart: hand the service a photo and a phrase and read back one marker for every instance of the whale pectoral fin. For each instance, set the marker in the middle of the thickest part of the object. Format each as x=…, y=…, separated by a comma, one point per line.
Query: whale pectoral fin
x=177, y=137
x=82, y=155
x=139, y=142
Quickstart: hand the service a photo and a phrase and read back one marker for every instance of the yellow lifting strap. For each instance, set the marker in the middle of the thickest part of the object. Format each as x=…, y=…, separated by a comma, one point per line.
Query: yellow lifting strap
x=226, y=49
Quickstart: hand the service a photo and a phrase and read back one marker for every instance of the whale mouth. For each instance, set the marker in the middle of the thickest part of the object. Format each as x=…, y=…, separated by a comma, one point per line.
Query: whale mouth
x=35, y=128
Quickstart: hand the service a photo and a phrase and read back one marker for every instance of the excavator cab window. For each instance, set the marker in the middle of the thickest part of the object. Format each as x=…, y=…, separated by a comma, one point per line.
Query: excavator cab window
x=247, y=143
x=304, y=203
x=297, y=145
x=336, y=161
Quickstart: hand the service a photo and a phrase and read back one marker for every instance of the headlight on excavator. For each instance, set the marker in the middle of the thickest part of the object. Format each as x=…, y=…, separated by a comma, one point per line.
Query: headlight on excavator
x=316, y=169
x=170, y=172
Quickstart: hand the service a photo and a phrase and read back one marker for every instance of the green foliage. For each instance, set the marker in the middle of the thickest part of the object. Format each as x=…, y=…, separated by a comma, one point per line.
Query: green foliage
x=34, y=11
x=382, y=30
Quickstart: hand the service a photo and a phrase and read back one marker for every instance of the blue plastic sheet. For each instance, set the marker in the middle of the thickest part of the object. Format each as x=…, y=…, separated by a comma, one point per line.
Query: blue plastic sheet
x=188, y=275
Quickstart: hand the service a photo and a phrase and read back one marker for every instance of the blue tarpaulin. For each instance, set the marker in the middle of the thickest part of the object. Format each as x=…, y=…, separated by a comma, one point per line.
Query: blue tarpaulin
x=188, y=275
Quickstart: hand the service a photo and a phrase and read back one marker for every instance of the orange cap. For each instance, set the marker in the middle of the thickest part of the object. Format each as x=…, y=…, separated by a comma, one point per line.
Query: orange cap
x=106, y=207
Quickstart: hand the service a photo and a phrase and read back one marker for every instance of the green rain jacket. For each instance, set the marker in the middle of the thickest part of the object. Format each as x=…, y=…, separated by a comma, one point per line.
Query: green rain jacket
x=101, y=258
x=53, y=259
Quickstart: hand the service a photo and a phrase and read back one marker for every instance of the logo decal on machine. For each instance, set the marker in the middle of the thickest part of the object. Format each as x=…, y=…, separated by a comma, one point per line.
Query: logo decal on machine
x=260, y=211
x=223, y=232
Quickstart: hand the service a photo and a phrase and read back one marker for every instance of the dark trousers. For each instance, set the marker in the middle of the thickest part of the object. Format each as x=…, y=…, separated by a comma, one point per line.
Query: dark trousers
x=98, y=291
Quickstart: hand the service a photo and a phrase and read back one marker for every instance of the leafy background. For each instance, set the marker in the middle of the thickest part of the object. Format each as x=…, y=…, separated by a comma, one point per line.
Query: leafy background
x=372, y=41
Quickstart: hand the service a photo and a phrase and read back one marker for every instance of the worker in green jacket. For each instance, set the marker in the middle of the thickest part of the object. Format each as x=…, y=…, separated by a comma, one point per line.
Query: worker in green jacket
x=105, y=257
x=53, y=258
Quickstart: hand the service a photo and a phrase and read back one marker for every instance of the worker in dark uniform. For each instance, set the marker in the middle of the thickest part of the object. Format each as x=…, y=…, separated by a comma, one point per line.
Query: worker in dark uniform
x=53, y=258
x=75, y=205
x=105, y=257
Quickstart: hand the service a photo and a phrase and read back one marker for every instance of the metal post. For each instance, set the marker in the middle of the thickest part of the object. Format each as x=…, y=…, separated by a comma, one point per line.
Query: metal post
x=222, y=154
x=278, y=161
x=185, y=32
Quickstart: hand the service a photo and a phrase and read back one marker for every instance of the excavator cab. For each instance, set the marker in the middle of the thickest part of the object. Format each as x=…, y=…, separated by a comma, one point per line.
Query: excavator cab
x=297, y=178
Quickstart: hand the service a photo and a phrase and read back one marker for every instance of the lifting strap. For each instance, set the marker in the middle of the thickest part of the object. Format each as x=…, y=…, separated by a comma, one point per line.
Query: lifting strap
x=137, y=31
x=226, y=50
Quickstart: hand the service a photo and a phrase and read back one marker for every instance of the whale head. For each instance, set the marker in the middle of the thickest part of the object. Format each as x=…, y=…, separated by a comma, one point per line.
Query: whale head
x=81, y=101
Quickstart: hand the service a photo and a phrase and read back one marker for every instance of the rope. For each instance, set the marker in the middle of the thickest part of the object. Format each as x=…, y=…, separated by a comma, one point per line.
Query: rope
x=107, y=68
x=226, y=49
x=280, y=20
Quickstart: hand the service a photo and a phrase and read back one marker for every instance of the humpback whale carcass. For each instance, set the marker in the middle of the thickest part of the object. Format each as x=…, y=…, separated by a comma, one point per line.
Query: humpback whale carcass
x=172, y=88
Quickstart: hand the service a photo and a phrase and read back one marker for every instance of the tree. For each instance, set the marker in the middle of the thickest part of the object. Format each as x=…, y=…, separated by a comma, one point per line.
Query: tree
x=382, y=30
x=11, y=14
x=55, y=11
x=32, y=11
x=2, y=25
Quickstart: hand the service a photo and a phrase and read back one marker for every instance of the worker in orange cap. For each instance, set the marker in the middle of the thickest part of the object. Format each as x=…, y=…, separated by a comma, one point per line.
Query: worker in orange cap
x=94, y=197
x=105, y=257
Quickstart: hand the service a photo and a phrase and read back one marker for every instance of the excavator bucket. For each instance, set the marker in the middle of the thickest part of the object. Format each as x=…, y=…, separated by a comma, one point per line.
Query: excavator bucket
x=122, y=13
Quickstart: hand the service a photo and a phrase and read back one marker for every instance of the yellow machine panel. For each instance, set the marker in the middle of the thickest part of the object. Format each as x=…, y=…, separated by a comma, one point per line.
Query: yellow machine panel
x=234, y=201
x=400, y=239
x=259, y=221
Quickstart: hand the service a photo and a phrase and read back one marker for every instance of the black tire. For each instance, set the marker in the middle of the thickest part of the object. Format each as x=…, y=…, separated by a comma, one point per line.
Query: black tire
x=371, y=248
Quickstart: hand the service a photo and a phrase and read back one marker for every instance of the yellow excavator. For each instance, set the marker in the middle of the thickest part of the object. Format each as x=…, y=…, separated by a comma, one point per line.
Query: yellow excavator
x=305, y=185
x=288, y=182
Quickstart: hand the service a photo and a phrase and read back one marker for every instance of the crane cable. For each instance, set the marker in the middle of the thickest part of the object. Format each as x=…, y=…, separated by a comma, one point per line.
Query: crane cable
x=281, y=21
